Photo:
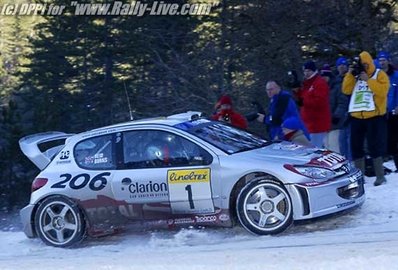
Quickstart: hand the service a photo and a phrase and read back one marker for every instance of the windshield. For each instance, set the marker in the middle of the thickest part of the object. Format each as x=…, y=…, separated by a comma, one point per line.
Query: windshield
x=229, y=139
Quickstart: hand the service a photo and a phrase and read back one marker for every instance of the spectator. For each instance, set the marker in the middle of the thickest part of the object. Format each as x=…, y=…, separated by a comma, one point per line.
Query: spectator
x=293, y=80
x=225, y=113
x=315, y=108
x=282, y=106
x=294, y=131
x=293, y=83
x=392, y=106
x=367, y=107
x=332, y=137
x=342, y=108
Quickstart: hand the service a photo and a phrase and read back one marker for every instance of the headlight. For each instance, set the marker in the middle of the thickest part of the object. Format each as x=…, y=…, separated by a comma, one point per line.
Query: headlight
x=315, y=173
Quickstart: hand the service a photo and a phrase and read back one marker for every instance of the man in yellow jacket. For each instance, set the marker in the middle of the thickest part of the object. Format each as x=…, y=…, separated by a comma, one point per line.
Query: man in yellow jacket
x=368, y=104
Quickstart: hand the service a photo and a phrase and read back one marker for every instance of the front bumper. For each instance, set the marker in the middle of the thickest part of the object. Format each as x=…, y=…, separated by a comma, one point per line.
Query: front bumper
x=26, y=219
x=329, y=197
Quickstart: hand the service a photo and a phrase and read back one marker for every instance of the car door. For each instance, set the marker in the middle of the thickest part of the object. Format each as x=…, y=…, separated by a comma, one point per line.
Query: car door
x=165, y=173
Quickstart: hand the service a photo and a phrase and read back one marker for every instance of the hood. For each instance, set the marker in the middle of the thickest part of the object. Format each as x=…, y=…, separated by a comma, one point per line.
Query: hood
x=366, y=58
x=290, y=153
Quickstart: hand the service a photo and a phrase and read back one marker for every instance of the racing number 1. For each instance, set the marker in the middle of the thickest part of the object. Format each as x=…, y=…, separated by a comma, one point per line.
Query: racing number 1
x=188, y=188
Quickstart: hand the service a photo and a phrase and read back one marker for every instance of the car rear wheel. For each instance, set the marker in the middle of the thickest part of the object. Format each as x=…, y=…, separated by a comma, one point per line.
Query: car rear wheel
x=59, y=222
x=264, y=207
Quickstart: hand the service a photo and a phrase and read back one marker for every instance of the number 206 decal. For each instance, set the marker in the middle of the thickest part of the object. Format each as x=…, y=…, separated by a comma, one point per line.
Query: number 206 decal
x=79, y=181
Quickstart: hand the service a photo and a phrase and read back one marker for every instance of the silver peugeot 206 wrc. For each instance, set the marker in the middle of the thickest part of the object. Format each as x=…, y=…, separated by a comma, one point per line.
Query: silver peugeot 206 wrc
x=181, y=170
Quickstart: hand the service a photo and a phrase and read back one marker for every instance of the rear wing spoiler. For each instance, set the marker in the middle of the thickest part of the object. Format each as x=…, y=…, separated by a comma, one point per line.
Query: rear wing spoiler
x=30, y=147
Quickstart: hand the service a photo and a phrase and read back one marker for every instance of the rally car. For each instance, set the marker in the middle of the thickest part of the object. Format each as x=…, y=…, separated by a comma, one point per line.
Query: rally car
x=180, y=170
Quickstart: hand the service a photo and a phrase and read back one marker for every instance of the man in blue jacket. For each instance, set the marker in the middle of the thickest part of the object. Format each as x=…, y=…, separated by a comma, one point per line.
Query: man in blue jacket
x=392, y=105
x=282, y=106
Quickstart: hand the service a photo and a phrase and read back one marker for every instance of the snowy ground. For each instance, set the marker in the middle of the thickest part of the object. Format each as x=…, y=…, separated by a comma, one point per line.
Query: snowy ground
x=366, y=238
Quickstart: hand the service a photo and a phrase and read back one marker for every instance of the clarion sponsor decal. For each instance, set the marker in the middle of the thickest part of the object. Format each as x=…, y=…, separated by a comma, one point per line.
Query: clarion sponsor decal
x=188, y=176
x=149, y=189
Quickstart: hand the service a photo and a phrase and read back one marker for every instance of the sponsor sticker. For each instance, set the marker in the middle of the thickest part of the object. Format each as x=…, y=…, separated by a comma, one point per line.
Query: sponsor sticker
x=97, y=133
x=147, y=189
x=64, y=155
x=63, y=162
x=178, y=221
x=188, y=176
x=206, y=219
x=329, y=160
x=190, y=191
x=99, y=158
x=345, y=204
x=224, y=217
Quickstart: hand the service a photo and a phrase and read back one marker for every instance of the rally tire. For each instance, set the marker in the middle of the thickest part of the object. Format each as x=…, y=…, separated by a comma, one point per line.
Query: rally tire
x=59, y=222
x=264, y=207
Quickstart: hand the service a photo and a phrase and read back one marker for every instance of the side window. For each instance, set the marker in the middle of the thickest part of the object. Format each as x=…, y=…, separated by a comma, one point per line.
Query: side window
x=157, y=149
x=95, y=153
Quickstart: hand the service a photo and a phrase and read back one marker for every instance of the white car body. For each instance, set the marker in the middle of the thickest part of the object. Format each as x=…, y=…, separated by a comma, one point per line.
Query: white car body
x=206, y=173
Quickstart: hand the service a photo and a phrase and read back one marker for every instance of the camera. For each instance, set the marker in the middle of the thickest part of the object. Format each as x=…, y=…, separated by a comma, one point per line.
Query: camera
x=292, y=79
x=357, y=66
x=257, y=109
x=226, y=118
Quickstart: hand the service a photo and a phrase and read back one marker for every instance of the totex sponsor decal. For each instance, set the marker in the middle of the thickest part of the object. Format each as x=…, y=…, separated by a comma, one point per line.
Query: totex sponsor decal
x=329, y=160
x=188, y=176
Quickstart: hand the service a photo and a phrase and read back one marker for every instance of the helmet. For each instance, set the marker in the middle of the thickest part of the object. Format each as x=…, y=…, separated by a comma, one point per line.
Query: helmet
x=157, y=150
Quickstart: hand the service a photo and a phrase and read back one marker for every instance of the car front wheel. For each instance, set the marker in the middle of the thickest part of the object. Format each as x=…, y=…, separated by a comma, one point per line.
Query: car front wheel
x=59, y=222
x=264, y=207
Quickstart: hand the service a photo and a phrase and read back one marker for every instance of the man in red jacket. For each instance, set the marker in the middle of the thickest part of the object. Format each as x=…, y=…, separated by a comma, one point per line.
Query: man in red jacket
x=225, y=113
x=313, y=97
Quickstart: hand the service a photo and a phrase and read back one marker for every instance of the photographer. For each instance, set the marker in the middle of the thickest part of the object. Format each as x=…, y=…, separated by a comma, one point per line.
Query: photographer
x=225, y=113
x=368, y=88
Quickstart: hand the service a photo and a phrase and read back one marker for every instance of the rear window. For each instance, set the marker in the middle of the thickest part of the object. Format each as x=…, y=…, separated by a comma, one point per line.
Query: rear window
x=96, y=153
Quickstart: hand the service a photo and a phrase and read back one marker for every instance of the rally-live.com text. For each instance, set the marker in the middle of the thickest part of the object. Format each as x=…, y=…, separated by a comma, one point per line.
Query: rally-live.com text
x=134, y=8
